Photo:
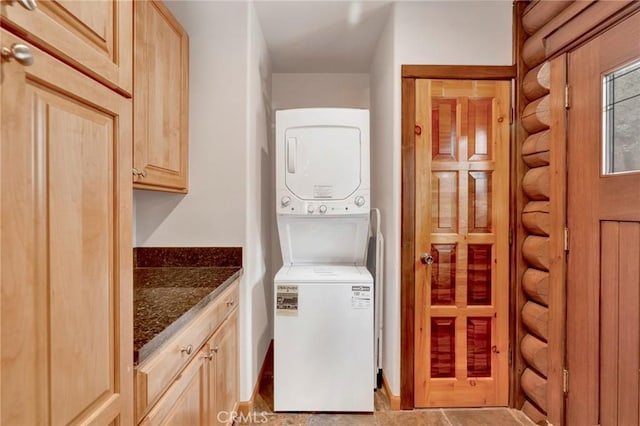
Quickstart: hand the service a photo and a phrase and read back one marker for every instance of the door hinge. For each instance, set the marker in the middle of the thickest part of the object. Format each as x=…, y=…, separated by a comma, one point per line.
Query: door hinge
x=566, y=239
x=567, y=97
x=510, y=356
x=512, y=116
x=510, y=236
x=565, y=381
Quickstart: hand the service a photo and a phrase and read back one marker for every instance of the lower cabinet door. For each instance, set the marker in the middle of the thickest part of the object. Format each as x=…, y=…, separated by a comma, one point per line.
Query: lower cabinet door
x=223, y=376
x=186, y=400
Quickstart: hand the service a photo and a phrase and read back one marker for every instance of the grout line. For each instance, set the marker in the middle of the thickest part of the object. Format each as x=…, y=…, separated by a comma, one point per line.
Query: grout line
x=444, y=414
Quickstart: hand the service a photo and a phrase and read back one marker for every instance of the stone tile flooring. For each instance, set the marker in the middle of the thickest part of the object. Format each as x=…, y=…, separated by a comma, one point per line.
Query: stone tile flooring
x=263, y=414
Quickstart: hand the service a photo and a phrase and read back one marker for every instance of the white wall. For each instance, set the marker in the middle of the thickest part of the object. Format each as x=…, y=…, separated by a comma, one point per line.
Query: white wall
x=211, y=213
x=294, y=90
x=229, y=199
x=433, y=33
x=257, y=296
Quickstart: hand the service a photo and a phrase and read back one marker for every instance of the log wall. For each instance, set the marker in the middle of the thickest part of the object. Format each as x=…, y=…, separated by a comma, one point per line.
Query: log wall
x=537, y=144
x=545, y=31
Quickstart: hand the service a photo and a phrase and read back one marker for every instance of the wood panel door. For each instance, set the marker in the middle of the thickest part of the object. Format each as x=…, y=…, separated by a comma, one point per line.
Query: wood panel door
x=462, y=243
x=95, y=35
x=161, y=93
x=65, y=247
x=603, y=299
x=223, y=386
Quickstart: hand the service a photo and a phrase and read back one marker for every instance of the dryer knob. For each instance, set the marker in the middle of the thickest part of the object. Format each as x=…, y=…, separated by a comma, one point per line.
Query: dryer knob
x=359, y=201
x=285, y=201
x=322, y=209
x=311, y=209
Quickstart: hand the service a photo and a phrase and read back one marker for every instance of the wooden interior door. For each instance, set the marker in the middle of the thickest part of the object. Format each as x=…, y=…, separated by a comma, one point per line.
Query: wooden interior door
x=462, y=243
x=603, y=298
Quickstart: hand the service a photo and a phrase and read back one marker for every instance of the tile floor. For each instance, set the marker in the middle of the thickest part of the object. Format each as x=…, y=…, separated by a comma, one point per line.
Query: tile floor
x=263, y=414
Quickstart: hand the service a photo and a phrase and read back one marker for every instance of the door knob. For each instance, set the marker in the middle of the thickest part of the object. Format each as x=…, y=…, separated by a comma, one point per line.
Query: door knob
x=18, y=51
x=426, y=258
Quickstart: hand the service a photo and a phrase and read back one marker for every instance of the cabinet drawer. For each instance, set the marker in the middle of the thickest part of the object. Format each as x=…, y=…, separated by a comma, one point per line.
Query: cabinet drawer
x=155, y=374
x=94, y=36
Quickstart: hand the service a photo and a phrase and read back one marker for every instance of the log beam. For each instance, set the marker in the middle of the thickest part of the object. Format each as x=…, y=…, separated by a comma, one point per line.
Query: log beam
x=535, y=387
x=534, y=352
x=536, y=318
x=534, y=413
x=536, y=183
x=537, y=82
x=535, y=284
x=535, y=217
x=539, y=13
x=535, y=149
x=536, y=116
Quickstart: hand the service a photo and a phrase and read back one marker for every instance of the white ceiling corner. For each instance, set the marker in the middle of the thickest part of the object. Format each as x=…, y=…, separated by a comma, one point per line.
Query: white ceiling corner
x=307, y=36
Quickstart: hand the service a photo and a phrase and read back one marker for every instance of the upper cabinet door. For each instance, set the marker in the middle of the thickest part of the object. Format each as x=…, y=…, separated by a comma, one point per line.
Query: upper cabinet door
x=93, y=36
x=161, y=93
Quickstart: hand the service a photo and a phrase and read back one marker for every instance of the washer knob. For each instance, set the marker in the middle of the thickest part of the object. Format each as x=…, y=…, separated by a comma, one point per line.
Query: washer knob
x=359, y=201
x=322, y=209
x=311, y=209
x=285, y=201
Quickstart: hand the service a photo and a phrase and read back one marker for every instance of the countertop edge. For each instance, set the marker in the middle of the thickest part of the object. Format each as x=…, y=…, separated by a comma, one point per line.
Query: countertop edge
x=162, y=339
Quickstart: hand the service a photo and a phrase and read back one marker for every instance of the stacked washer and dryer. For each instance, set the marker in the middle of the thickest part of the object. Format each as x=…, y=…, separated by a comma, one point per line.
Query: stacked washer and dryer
x=324, y=294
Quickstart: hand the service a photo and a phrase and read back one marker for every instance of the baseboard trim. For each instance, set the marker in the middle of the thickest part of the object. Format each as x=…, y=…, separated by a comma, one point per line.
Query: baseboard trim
x=246, y=407
x=394, y=400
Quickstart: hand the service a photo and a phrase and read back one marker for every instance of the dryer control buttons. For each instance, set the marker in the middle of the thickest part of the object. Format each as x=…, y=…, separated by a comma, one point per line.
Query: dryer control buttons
x=359, y=201
x=285, y=201
x=311, y=209
x=322, y=209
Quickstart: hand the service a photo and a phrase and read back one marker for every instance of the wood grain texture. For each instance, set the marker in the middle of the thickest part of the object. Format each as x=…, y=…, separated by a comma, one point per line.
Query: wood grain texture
x=534, y=413
x=535, y=250
x=537, y=81
x=535, y=387
x=534, y=352
x=161, y=99
x=451, y=178
x=95, y=37
x=459, y=72
x=540, y=12
x=557, y=253
x=535, y=284
x=66, y=279
x=535, y=150
x=536, y=219
x=536, y=116
x=407, y=245
x=536, y=318
x=536, y=183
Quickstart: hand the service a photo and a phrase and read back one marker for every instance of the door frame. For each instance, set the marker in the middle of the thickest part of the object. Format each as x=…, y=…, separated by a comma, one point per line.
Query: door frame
x=408, y=235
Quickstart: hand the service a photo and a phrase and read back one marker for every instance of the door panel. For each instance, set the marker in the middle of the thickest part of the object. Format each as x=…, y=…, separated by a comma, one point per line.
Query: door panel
x=66, y=249
x=462, y=148
x=603, y=324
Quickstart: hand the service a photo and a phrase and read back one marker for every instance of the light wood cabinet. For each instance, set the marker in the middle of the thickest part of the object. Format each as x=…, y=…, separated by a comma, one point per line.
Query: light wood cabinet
x=223, y=373
x=65, y=246
x=185, y=403
x=94, y=36
x=161, y=89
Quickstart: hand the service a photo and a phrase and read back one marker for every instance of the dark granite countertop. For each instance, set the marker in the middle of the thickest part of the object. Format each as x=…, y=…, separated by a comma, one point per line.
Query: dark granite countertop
x=166, y=297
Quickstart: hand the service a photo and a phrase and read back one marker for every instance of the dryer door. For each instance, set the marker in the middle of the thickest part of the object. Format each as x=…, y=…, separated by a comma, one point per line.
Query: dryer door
x=323, y=162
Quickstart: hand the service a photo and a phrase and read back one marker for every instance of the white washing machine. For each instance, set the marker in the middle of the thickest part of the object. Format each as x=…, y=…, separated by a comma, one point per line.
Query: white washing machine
x=324, y=301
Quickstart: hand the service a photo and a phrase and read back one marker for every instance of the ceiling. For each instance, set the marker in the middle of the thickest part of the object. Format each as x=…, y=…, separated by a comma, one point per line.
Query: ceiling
x=322, y=36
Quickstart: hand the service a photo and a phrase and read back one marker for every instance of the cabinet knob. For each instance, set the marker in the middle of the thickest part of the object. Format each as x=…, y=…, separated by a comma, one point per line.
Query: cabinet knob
x=27, y=4
x=230, y=302
x=187, y=350
x=139, y=173
x=208, y=356
x=215, y=350
x=18, y=51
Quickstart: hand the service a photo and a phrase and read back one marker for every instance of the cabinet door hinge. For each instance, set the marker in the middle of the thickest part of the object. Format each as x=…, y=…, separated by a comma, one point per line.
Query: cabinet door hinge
x=566, y=239
x=565, y=381
x=567, y=96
